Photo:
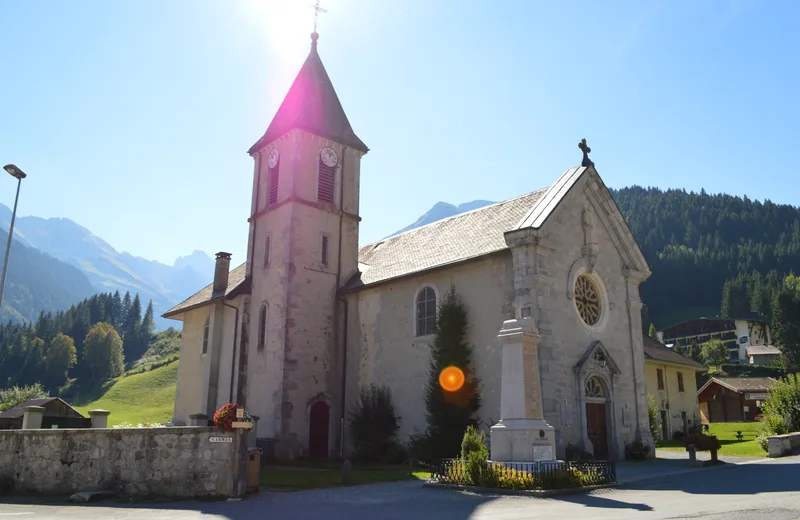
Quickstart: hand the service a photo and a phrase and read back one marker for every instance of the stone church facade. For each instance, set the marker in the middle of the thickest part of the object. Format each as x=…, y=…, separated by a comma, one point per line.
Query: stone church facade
x=309, y=317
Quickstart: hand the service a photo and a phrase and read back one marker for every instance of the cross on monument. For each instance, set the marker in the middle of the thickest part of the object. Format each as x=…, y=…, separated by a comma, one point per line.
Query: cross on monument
x=586, y=150
x=317, y=10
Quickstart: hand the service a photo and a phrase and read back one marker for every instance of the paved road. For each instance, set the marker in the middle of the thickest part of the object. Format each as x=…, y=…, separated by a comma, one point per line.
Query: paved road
x=755, y=490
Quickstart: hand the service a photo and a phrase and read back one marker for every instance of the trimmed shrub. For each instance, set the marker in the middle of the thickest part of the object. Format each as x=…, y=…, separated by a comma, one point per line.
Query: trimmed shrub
x=374, y=425
x=781, y=410
x=636, y=450
x=578, y=454
x=653, y=414
x=472, y=442
x=761, y=439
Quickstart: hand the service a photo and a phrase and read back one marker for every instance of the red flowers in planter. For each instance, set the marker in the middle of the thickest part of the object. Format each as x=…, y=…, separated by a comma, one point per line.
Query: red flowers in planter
x=224, y=417
x=702, y=442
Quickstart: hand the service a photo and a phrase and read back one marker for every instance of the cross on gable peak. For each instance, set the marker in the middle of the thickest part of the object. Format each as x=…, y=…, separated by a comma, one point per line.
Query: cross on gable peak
x=586, y=151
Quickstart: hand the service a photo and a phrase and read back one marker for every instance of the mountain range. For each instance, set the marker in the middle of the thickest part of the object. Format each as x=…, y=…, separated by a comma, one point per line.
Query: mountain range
x=442, y=210
x=104, y=268
x=694, y=242
x=56, y=262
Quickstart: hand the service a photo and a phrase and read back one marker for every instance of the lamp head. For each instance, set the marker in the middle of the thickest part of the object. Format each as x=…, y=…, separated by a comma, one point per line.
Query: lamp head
x=14, y=171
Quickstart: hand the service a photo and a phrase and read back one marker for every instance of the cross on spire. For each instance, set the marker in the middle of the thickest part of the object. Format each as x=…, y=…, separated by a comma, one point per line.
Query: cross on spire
x=586, y=150
x=317, y=10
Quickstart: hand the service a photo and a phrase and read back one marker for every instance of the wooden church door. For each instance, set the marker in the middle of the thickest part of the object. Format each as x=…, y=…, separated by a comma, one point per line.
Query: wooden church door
x=318, y=431
x=596, y=429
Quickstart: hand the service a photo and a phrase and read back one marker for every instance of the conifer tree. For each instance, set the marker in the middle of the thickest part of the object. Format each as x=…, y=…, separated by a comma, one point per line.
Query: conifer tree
x=116, y=310
x=148, y=324
x=138, y=344
x=132, y=319
x=126, y=308
x=449, y=413
x=786, y=321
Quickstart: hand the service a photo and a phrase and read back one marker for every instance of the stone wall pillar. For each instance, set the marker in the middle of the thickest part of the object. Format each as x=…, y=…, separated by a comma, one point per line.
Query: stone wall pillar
x=198, y=419
x=99, y=418
x=634, y=303
x=522, y=435
x=32, y=418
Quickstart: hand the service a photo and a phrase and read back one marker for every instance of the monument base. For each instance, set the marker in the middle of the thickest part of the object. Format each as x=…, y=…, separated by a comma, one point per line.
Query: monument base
x=523, y=440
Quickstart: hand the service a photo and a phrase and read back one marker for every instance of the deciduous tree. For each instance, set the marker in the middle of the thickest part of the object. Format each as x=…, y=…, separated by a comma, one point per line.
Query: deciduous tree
x=102, y=352
x=61, y=356
x=714, y=352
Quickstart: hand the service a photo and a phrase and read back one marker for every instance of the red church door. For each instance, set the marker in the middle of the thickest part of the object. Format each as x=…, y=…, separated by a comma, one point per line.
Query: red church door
x=318, y=431
x=596, y=429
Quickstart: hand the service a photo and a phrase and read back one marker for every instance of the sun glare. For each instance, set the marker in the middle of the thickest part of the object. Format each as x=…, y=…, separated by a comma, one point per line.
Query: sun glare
x=451, y=379
x=283, y=21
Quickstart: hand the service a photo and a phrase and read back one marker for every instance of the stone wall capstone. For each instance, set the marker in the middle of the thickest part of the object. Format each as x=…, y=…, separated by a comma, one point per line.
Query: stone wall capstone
x=171, y=462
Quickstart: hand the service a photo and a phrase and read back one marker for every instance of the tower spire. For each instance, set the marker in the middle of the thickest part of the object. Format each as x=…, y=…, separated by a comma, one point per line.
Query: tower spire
x=312, y=105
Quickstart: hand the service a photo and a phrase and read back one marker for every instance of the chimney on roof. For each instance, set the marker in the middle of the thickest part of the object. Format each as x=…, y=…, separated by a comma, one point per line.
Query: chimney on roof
x=221, y=273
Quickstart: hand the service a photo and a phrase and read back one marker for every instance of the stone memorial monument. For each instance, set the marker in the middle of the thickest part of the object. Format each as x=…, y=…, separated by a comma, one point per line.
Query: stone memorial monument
x=521, y=435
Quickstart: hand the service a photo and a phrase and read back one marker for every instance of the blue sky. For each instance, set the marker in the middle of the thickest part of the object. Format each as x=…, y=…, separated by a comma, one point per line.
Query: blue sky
x=133, y=117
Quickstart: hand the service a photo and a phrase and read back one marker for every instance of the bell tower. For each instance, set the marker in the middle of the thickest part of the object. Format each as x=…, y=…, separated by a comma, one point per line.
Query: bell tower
x=302, y=247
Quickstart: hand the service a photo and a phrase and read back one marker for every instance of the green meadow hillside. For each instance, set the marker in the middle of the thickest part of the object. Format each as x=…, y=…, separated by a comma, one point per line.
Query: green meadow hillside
x=137, y=398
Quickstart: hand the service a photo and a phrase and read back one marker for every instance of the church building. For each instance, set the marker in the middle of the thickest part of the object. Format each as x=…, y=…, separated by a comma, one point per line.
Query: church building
x=309, y=317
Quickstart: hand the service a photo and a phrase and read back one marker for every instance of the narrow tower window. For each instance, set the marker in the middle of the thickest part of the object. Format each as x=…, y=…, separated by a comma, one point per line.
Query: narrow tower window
x=327, y=175
x=324, y=250
x=266, y=252
x=274, y=173
x=205, y=334
x=262, y=327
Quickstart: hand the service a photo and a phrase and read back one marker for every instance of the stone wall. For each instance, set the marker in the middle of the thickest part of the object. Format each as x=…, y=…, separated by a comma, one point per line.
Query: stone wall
x=172, y=462
x=780, y=445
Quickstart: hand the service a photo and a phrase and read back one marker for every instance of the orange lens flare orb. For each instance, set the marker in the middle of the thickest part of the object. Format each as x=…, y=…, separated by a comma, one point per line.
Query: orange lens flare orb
x=451, y=379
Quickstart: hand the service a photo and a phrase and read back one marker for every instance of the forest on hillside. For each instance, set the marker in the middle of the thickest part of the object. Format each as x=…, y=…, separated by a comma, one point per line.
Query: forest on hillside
x=91, y=340
x=700, y=246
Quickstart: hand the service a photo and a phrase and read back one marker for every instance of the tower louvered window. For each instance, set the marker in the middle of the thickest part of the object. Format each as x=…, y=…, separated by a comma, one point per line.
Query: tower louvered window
x=327, y=175
x=262, y=327
x=274, y=173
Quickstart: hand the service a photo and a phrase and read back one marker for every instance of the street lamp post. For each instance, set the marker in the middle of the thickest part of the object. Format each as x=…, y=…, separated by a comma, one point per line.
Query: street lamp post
x=19, y=175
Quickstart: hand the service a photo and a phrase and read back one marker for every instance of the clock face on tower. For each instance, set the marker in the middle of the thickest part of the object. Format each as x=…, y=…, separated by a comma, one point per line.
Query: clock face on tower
x=328, y=156
x=272, y=159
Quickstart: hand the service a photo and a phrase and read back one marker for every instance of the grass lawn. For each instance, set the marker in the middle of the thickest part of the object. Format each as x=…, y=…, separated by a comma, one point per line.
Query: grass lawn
x=306, y=476
x=726, y=433
x=139, y=398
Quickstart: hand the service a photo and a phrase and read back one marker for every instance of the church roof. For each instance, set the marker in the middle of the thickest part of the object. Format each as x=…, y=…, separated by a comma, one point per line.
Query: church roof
x=312, y=105
x=236, y=281
x=656, y=351
x=452, y=240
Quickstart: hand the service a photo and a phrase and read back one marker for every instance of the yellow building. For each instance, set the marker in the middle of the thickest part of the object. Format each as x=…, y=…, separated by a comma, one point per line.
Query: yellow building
x=672, y=383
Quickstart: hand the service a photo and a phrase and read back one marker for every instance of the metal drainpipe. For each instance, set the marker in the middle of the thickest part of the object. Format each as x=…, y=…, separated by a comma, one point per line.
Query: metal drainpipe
x=344, y=376
x=235, y=337
x=336, y=298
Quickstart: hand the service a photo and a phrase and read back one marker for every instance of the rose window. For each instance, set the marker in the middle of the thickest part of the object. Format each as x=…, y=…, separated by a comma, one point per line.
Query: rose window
x=587, y=300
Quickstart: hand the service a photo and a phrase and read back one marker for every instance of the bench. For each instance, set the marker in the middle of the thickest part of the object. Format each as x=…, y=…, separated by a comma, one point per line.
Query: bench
x=739, y=435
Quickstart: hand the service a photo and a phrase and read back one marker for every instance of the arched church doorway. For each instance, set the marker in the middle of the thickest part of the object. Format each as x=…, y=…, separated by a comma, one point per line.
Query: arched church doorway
x=318, y=425
x=596, y=422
